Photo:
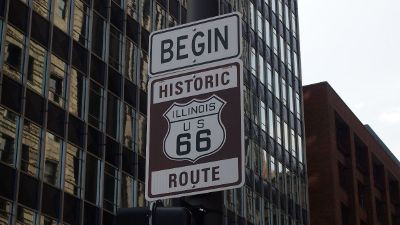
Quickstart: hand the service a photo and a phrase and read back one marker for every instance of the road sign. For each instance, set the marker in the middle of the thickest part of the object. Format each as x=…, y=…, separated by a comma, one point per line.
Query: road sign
x=195, y=132
x=192, y=44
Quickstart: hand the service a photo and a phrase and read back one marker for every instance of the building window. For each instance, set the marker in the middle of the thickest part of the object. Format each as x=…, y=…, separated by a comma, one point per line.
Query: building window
x=269, y=77
x=13, y=54
x=342, y=173
x=300, y=148
x=129, y=128
x=130, y=61
x=161, y=19
x=277, y=89
x=92, y=177
x=131, y=8
x=110, y=187
x=52, y=159
x=113, y=115
x=98, y=35
x=115, y=49
x=252, y=16
x=275, y=41
x=267, y=33
x=286, y=136
x=36, y=67
x=57, y=81
x=278, y=130
x=25, y=216
x=292, y=143
x=290, y=98
x=143, y=71
x=77, y=93
x=127, y=191
x=284, y=96
x=9, y=124
x=272, y=169
x=144, y=8
x=42, y=7
x=249, y=205
x=253, y=62
x=263, y=116
x=270, y=123
x=142, y=135
x=259, y=24
x=73, y=170
x=282, y=48
x=5, y=211
x=298, y=109
x=61, y=14
x=31, y=143
x=362, y=195
x=95, y=104
x=81, y=22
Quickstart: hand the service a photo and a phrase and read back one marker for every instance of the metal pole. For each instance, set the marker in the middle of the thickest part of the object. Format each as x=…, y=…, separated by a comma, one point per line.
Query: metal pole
x=201, y=9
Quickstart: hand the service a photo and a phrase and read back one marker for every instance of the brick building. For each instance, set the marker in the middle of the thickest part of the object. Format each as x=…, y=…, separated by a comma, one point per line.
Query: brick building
x=353, y=177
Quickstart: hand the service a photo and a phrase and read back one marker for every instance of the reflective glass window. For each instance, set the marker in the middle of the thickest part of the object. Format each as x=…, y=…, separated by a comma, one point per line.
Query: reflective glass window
x=131, y=8
x=95, y=104
x=8, y=131
x=160, y=18
x=252, y=16
x=31, y=143
x=5, y=211
x=42, y=7
x=113, y=115
x=267, y=33
x=129, y=126
x=115, y=48
x=141, y=201
x=298, y=109
x=25, y=216
x=127, y=191
x=259, y=24
x=73, y=170
x=275, y=41
x=263, y=116
x=92, y=178
x=110, y=187
x=14, y=49
x=144, y=8
x=77, y=93
x=290, y=99
x=81, y=22
x=36, y=67
x=143, y=71
x=142, y=135
x=249, y=205
x=286, y=136
x=264, y=164
x=253, y=62
x=277, y=89
x=284, y=96
x=270, y=122
x=57, y=80
x=98, y=35
x=278, y=130
x=269, y=77
x=61, y=14
x=261, y=69
x=130, y=61
x=272, y=169
x=300, y=148
x=52, y=159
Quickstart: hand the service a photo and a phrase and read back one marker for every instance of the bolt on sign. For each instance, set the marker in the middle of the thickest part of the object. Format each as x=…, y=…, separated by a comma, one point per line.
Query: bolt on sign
x=193, y=44
x=195, y=131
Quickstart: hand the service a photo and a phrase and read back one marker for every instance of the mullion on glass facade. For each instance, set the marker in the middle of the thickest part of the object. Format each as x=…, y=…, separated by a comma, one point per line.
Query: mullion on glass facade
x=80, y=135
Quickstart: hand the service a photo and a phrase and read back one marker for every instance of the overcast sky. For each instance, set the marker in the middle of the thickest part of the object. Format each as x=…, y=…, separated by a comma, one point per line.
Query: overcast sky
x=355, y=46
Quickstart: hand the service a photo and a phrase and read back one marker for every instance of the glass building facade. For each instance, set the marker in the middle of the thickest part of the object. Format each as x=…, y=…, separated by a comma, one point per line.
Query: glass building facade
x=73, y=110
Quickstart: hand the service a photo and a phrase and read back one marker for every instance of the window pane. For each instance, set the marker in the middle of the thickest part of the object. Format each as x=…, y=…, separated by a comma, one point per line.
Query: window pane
x=25, y=216
x=129, y=126
x=112, y=115
x=52, y=164
x=143, y=71
x=61, y=14
x=30, y=148
x=73, y=169
x=95, y=104
x=98, y=32
x=76, y=93
x=127, y=191
x=130, y=57
x=131, y=8
x=141, y=202
x=145, y=12
x=115, y=48
x=142, y=135
x=42, y=7
x=57, y=81
x=13, y=53
x=8, y=131
x=110, y=188
x=92, y=178
x=36, y=67
x=5, y=211
x=81, y=22
x=160, y=18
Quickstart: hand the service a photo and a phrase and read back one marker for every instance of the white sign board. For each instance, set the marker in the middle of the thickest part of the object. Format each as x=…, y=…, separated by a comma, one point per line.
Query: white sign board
x=192, y=44
x=195, y=131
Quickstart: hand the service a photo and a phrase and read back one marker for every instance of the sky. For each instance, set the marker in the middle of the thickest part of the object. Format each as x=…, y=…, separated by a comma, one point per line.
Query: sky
x=355, y=46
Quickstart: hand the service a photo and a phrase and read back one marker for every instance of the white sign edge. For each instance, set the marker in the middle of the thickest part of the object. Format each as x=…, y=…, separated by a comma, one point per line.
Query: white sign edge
x=167, y=72
x=242, y=182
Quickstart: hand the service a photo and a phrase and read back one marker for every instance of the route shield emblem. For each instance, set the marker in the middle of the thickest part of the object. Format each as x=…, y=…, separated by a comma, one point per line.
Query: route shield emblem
x=195, y=129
